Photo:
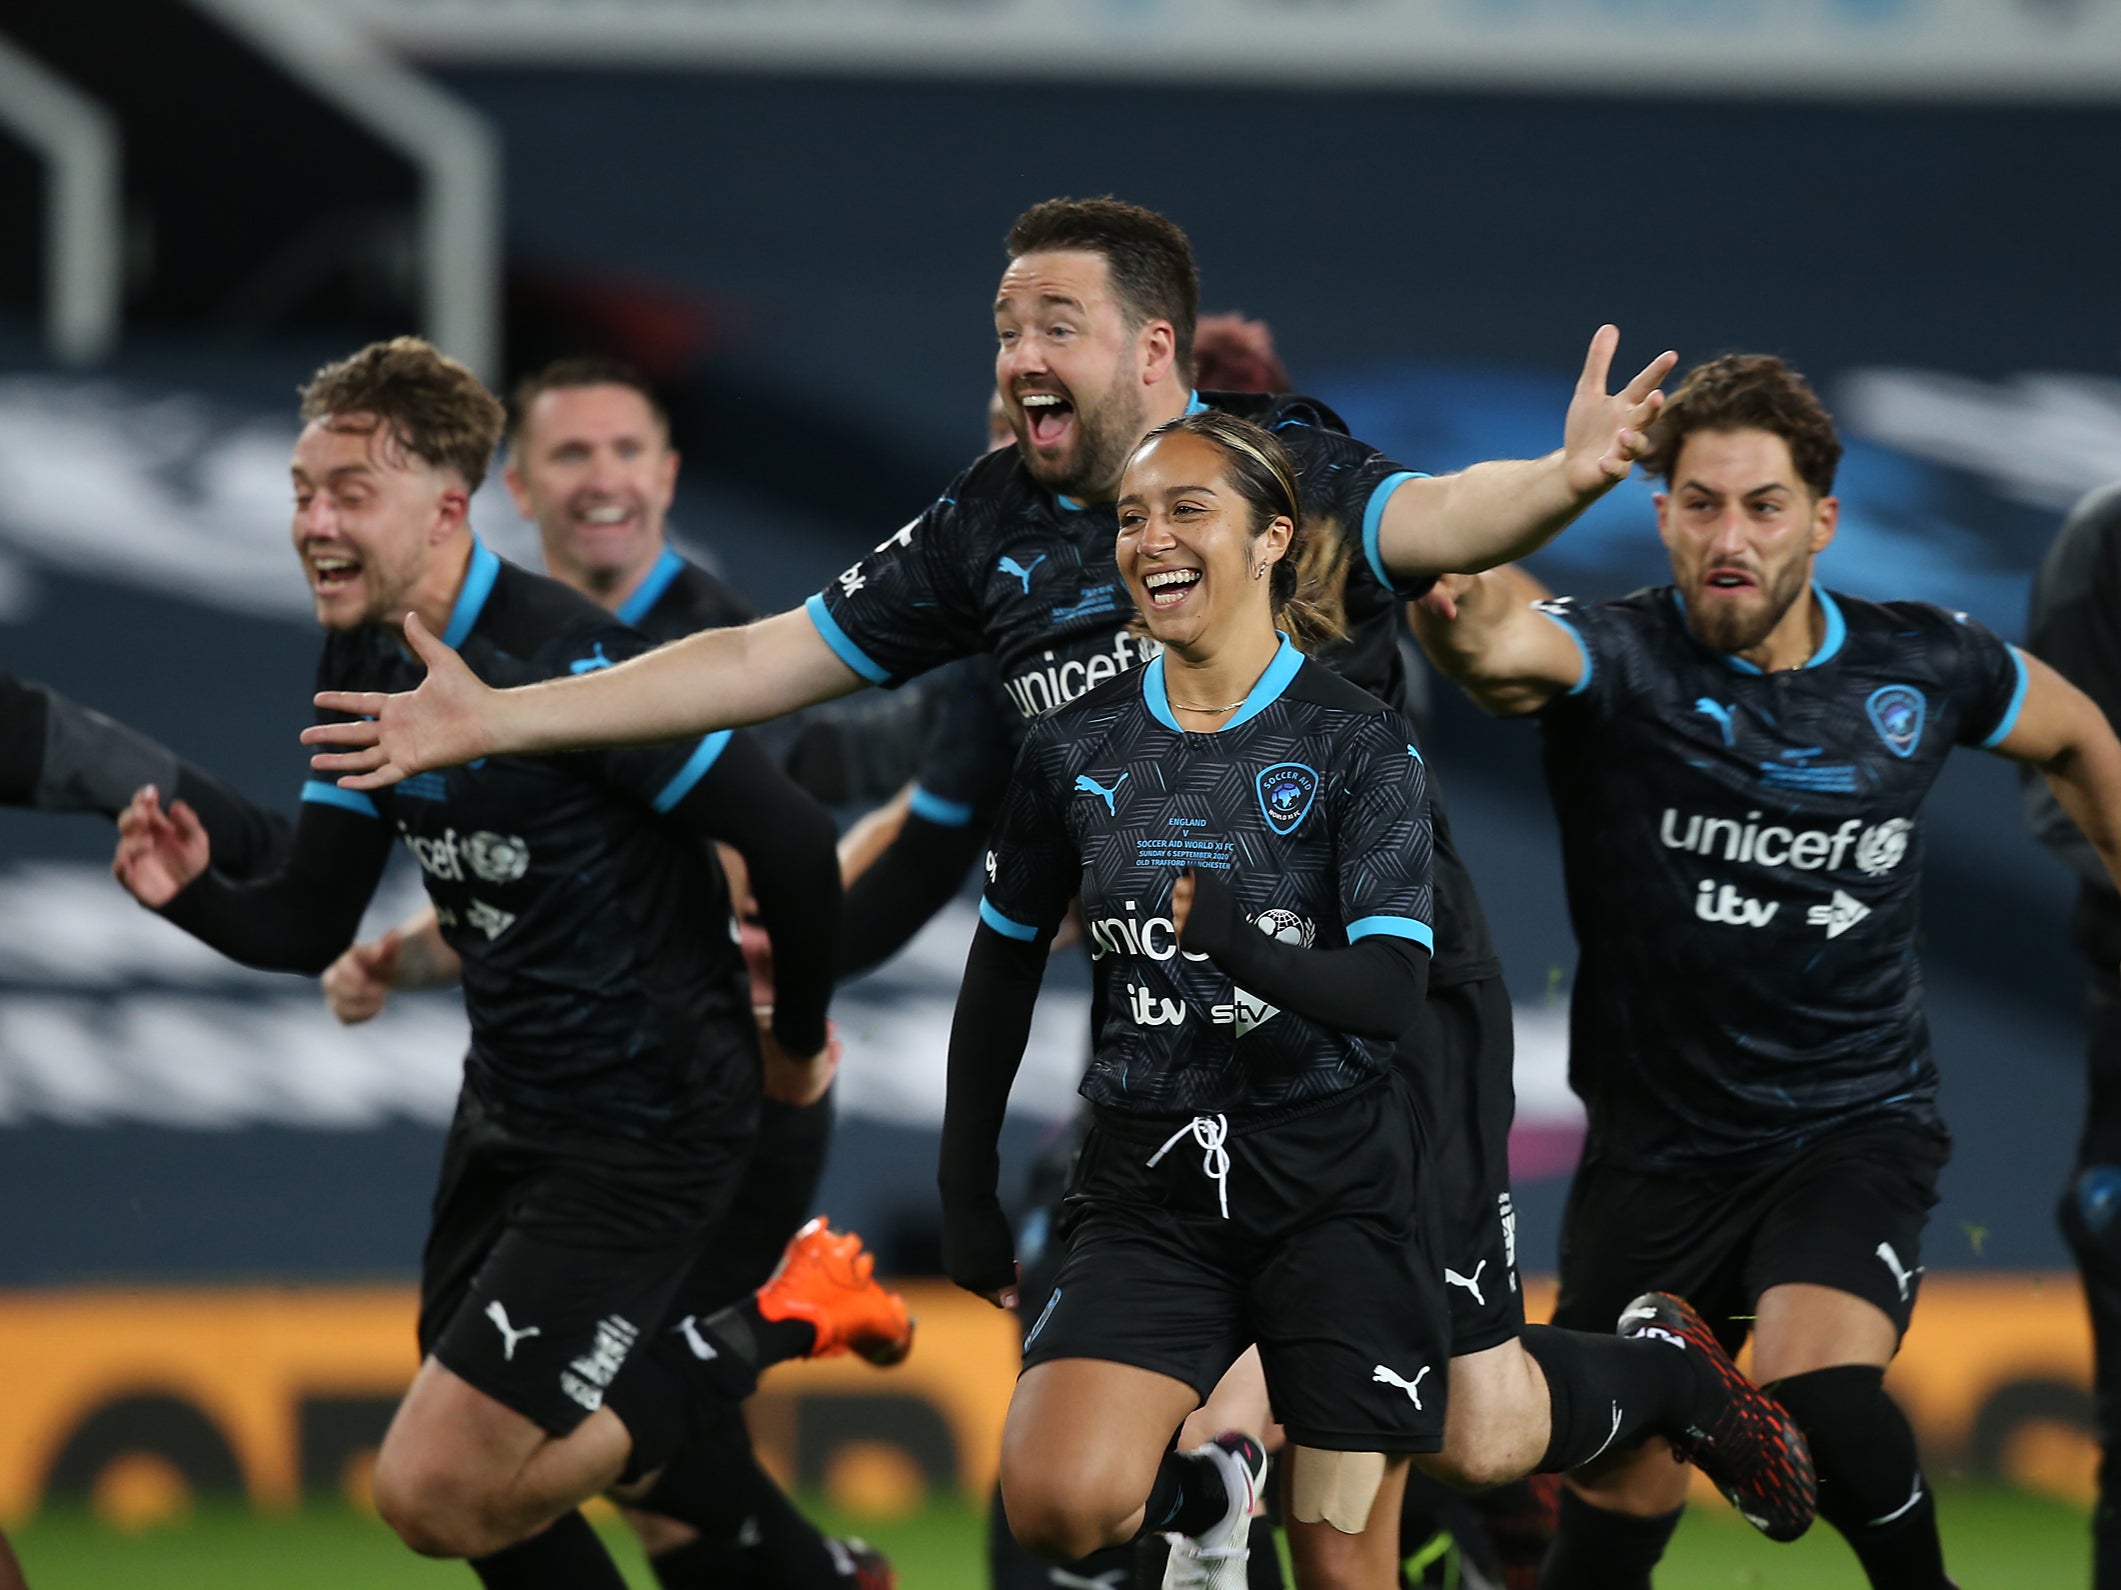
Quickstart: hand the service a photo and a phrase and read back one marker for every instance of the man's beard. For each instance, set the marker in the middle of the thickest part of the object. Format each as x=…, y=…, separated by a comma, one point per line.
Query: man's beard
x=1104, y=441
x=1727, y=628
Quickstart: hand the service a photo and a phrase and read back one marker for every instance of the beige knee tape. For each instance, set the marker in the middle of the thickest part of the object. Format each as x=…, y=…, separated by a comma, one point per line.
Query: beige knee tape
x=1336, y=1487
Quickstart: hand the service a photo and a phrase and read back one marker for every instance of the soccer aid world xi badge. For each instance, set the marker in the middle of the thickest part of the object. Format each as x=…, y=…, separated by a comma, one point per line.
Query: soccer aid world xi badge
x=1286, y=791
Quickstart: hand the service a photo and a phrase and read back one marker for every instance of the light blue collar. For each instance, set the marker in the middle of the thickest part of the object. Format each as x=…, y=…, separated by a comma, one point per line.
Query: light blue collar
x=1836, y=632
x=484, y=569
x=1263, y=694
x=650, y=590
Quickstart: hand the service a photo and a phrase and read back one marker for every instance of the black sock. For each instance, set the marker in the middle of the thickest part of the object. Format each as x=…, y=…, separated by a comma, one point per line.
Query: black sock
x=705, y=1564
x=1870, y=1479
x=1596, y=1548
x=770, y=1545
x=1189, y=1496
x=744, y=1342
x=649, y=1396
x=567, y=1556
x=1605, y=1393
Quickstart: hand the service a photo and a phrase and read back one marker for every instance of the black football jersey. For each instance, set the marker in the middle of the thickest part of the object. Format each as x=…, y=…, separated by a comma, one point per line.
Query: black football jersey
x=1312, y=804
x=1000, y=564
x=680, y=598
x=1743, y=855
x=601, y=972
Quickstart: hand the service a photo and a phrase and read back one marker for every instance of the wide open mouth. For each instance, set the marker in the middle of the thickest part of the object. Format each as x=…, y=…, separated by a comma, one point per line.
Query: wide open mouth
x=1047, y=417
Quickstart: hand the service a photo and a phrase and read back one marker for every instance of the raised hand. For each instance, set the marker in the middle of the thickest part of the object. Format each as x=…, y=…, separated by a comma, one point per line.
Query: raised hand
x=1605, y=431
x=441, y=724
x=358, y=984
x=159, y=852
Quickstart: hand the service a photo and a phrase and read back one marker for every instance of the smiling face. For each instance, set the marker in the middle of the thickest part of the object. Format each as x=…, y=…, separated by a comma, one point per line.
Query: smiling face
x=369, y=516
x=1186, y=545
x=594, y=470
x=1742, y=529
x=1074, y=376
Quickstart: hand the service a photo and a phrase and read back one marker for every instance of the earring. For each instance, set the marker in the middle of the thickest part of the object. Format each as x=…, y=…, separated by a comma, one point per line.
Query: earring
x=1260, y=573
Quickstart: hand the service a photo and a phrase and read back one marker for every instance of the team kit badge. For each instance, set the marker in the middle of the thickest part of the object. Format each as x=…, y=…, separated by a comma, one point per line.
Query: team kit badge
x=1286, y=791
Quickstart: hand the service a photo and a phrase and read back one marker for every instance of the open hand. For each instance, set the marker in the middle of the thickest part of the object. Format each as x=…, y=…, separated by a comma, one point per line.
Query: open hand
x=159, y=852
x=357, y=985
x=443, y=723
x=1604, y=432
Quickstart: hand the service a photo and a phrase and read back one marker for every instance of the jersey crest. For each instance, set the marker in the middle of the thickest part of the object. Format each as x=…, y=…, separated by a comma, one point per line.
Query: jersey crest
x=1896, y=712
x=1286, y=791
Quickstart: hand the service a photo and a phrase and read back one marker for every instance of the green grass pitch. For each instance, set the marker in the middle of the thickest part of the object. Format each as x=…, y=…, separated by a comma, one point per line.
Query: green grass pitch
x=1992, y=1538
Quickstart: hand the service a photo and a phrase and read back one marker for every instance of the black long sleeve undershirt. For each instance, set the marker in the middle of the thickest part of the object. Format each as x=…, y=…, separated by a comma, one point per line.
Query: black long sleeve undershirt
x=302, y=915
x=916, y=876
x=59, y=756
x=1373, y=989
x=987, y=1038
x=787, y=841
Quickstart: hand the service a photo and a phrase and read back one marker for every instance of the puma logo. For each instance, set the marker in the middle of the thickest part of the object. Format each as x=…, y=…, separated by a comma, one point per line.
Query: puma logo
x=1903, y=1277
x=1011, y=566
x=1385, y=1377
x=1722, y=715
x=1086, y=785
x=509, y=1334
x=1470, y=1282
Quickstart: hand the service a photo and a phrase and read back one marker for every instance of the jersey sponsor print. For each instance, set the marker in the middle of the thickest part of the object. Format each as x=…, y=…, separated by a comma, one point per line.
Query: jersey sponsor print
x=1310, y=801
x=1743, y=854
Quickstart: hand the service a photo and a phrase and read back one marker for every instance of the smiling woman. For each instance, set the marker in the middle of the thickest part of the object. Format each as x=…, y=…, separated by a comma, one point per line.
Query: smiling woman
x=1250, y=838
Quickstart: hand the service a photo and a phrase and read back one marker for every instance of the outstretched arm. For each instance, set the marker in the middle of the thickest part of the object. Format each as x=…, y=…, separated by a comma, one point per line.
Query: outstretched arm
x=1494, y=512
x=296, y=919
x=717, y=679
x=2061, y=731
x=1510, y=657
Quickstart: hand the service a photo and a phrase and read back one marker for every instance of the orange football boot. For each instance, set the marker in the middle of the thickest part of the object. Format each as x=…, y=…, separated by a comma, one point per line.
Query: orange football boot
x=828, y=1280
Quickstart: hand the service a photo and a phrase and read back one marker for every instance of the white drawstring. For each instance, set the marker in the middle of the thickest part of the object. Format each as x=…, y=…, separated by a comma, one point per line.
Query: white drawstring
x=1209, y=1131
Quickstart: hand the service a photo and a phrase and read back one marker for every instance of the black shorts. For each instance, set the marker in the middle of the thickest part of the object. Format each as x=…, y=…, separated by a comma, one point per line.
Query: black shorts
x=552, y=1253
x=1460, y=1069
x=1846, y=1211
x=1323, y=1260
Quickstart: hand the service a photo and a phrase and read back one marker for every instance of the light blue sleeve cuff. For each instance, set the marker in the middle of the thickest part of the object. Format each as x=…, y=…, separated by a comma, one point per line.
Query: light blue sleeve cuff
x=1008, y=927
x=1393, y=927
x=695, y=768
x=842, y=644
x=1373, y=520
x=351, y=800
x=931, y=807
x=2010, y=713
x=1582, y=650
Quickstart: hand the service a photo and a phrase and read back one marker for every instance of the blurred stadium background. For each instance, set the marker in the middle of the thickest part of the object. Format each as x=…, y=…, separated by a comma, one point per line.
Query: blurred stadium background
x=788, y=213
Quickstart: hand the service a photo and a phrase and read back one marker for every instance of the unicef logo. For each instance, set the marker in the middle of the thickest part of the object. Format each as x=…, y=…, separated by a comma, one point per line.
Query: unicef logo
x=1286, y=926
x=496, y=858
x=1881, y=848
